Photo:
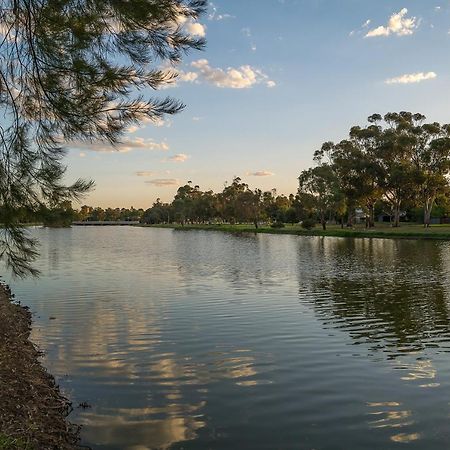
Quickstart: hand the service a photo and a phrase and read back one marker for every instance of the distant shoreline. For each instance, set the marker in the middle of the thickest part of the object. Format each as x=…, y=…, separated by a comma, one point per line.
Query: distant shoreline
x=34, y=412
x=383, y=231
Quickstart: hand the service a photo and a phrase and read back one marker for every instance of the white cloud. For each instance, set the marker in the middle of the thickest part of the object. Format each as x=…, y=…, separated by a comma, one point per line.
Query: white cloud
x=234, y=78
x=159, y=122
x=156, y=122
x=163, y=182
x=195, y=28
x=145, y=173
x=82, y=154
x=188, y=77
x=260, y=173
x=180, y=157
x=127, y=145
x=191, y=26
x=398, y=24
x=408, y=78
x=197, y=118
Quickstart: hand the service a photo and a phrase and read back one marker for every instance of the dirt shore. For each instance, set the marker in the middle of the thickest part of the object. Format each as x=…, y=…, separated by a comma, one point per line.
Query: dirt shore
x=33, y=412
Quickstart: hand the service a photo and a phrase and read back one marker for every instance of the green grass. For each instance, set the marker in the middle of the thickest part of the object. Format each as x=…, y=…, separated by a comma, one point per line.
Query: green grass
x=381, y=230
x=9, y=443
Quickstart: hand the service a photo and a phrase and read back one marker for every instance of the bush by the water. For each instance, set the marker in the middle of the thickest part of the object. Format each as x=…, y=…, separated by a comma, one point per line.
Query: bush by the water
x=308, y=224
x=277, y=224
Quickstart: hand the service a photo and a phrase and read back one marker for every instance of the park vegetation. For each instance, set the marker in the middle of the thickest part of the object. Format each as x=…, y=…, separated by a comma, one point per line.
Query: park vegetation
x=397, y=162
x=397, y=167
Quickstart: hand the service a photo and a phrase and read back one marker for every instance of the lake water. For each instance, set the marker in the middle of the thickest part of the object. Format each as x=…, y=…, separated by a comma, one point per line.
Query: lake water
x=204, y=340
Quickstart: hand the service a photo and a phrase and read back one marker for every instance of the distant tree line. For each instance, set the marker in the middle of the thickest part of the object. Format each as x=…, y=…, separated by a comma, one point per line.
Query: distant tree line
x=237, y=203
x=398, y=166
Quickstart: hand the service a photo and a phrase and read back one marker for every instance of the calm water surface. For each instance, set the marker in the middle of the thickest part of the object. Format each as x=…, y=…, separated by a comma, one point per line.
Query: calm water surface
x=204, y=340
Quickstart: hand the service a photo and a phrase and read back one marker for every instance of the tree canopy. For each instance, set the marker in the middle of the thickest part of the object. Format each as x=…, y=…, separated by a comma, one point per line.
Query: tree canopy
x=76, y=70
x=396, y=161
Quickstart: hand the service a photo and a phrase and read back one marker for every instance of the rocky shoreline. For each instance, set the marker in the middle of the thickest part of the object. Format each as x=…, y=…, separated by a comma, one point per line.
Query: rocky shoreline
x=33, y=412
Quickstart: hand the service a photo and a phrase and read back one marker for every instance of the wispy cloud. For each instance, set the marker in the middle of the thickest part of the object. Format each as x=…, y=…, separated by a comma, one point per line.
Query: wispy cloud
x=398, y=24
x=163, y=182
x=156, y=122
x=180, y=157
x=260, y=173
x=127, y=145
x=243, y=77
x=248, y=34
x=409, y=78
x=132, y=129
x=215, y=15
x=145, y=173
x=363, y=26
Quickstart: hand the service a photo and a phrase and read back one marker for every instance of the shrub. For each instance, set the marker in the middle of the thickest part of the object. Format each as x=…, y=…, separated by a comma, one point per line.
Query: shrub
x=277, y=224
x=308, y=224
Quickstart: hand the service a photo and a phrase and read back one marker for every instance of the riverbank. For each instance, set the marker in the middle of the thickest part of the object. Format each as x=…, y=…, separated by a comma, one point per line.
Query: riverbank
x=381, y=230
x=33, y=411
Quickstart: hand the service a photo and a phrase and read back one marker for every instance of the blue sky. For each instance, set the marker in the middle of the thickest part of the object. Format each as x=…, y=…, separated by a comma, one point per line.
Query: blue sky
x=278, y=78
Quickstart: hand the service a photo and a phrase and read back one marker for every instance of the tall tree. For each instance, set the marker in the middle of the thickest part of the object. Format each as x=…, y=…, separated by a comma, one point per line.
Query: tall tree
x=319, y=184
x=71, y=70
x=431, y=161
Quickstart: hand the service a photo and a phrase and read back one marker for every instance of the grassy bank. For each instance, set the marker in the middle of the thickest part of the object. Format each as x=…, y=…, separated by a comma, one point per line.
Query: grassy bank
x=382, y=230
x=33, y=412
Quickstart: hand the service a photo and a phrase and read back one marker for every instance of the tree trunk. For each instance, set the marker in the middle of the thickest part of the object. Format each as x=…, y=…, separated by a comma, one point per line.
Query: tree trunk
x=371, y=209
x=427, y=212
x=350, y=219
x=255, y=221
x=396, y=216
x=323, y=220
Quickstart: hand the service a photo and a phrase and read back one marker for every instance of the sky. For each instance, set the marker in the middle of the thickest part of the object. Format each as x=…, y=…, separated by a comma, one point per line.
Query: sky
x=276, y=80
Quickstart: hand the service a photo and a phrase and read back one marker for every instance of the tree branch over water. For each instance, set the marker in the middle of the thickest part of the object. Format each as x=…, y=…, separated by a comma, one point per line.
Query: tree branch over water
x=74, y=70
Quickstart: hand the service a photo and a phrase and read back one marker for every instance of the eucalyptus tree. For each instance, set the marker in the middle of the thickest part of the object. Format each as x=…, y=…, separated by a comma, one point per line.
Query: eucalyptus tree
x=227, y=199
x=346, y=160
x=356, y=169
x=364, y=162
x=431, y=160
x=249, y=206
x=318, y=184
x=75, y=70
x=206, y=206
x=415, y=159
x=183, y=203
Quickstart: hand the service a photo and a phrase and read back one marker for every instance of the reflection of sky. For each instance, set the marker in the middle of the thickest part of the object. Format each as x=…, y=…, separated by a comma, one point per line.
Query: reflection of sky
x=200, y=340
